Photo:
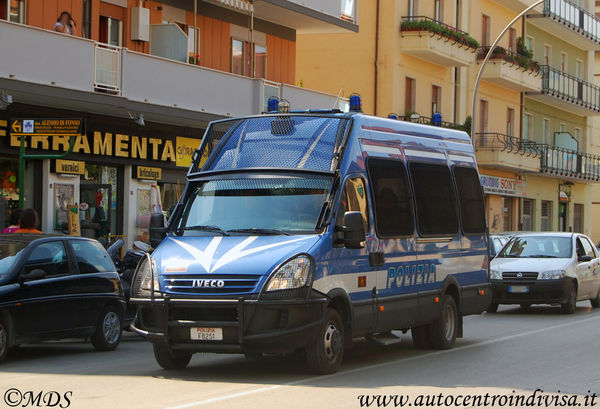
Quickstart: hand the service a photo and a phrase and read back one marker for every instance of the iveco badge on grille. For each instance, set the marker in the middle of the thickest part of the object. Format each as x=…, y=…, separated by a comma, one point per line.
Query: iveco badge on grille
x=197, y=283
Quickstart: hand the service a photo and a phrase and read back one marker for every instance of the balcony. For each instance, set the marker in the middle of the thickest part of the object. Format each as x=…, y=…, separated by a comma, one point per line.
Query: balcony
x=116, y=81
x=495, y=150
x=436, y=42
x=418, y=119
x=570, y=164
x=568, y=92
x=511, y=70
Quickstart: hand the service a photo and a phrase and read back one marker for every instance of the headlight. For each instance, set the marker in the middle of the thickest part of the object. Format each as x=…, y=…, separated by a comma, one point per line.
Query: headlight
x=553, y=274
x=495, y=274
x=145, y=280
x=293, y=274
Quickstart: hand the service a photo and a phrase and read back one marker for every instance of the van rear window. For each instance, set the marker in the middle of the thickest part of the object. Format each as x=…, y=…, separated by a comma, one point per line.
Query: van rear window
x=472, y=211
x=435, y=199
x=391, y=194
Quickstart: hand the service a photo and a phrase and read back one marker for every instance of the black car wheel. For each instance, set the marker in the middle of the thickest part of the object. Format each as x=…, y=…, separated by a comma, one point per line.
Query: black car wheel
x=324, y=355
x=571, y=304
x=169, y=359
x=108, y=331
x=596, y=301
x=444, y=330
x=3, y=340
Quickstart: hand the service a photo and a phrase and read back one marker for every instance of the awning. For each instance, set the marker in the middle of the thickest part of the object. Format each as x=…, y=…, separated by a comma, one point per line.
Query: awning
x=244, y=6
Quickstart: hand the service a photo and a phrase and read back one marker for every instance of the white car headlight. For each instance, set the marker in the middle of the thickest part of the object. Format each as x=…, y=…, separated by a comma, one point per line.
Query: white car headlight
x=145, y=279
x=553, y=274
x=495, y=274
x=295, y=273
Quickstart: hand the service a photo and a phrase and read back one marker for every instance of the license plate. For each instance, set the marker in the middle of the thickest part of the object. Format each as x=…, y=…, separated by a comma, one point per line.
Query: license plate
x=520, y=289
x=206, y=334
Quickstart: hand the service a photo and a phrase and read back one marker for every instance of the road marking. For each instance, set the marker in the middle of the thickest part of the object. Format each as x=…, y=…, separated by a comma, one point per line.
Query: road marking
x=380, y=365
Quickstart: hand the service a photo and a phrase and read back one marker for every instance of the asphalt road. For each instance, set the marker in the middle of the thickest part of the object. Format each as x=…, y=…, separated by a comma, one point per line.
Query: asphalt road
x=516, y=349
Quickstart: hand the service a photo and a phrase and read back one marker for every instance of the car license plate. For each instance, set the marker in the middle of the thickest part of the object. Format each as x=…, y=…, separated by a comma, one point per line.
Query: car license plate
x=520, y=289
x=206, y=334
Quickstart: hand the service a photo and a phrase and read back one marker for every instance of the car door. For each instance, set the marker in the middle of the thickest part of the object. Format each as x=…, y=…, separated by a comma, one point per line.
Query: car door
x=99, y=281
x=48, y=306
x=593, y=278
x=584, y=269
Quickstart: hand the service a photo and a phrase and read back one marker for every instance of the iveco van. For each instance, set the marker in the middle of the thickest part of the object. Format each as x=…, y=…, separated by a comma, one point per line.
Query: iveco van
x=304, y=231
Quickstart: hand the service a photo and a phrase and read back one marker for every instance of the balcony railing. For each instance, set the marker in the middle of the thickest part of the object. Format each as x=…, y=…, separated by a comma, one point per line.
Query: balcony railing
x=570, y=88
x=418, y=119
x=507, y=143
x=574, y=17
x=424, y=23
x=501, y=53
x=570, y=163
x=107, y=68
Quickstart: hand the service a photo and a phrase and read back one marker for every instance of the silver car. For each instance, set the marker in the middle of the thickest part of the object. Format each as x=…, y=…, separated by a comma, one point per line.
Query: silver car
x=546, y=268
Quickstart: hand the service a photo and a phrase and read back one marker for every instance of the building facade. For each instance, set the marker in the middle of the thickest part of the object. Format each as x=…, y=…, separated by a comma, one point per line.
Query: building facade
x=536, y=104
x=142, y=80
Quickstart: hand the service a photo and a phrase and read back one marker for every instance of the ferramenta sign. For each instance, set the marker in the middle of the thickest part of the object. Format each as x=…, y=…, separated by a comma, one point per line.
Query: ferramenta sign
x=495, y=185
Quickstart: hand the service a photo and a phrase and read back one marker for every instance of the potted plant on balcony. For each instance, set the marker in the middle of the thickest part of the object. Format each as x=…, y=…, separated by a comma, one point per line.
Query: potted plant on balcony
x=435, y=27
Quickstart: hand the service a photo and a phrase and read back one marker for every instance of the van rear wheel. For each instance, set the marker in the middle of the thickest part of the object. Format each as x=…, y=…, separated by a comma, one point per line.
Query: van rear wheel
x=324, y=355
x=443, y=331
x=169, y=359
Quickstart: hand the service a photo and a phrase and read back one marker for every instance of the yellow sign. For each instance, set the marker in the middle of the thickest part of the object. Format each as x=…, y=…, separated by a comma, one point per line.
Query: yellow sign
x=72, y=167
x=73, y=217
x=47, y=126
x=185, y=150
x=144, y=172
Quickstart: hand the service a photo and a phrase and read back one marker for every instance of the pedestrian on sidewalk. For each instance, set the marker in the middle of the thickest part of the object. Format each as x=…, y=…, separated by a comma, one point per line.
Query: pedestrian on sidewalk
x=15, y=221
x=29, y=222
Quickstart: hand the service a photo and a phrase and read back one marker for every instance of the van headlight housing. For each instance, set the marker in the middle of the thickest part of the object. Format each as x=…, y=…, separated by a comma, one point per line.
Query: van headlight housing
x=291, y=279
x=553, y=274
x=495, y=274
x=145, y=280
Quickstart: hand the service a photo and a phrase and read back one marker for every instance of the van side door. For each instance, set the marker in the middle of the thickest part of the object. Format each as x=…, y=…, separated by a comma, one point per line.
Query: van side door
x=397, y=287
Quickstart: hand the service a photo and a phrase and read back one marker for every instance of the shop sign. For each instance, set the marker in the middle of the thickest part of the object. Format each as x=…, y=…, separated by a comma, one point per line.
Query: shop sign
x=46, y=126
x=185, y=150
x=71, y=167
x=495, y=185
x=145, y=172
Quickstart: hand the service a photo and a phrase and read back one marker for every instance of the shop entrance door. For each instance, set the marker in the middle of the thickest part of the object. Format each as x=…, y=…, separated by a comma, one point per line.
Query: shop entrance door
x=95, y=209
x=562, y=216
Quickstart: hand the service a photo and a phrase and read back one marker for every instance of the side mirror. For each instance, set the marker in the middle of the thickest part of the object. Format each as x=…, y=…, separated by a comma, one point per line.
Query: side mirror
x=584, y=259
x=34, y=274
x=354, y=230
x=158, y=231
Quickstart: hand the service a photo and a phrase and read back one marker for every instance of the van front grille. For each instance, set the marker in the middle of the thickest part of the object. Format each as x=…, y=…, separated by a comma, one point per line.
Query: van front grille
x=184, y=283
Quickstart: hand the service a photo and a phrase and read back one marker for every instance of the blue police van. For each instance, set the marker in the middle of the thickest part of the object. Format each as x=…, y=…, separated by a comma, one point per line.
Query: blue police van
x=308, y=230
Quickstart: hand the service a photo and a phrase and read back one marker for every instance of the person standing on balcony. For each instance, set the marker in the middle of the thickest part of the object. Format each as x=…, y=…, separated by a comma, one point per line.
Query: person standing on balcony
x=65, y=24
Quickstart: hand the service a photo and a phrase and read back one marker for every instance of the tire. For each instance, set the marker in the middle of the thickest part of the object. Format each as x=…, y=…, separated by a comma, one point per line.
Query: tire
x=443, y=331
x=571, y=304
x=325, y=354
x=596, y=301
x=108, y=331
x=4, y=340
x=493, y=308
x=420, y=337
x=169, y=359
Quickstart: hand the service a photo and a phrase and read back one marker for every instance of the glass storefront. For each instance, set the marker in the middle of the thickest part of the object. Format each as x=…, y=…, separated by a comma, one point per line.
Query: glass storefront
x=9, y=191
x=98, y=195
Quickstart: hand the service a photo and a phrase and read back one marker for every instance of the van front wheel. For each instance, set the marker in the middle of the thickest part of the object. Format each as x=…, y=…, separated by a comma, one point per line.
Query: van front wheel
x=324, y=355
x=169, y=359
x=444, y=330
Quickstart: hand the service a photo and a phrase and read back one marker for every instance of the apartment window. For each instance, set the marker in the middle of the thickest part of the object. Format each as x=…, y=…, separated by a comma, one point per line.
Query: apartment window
x=260, y=61
x=563, y=62
x=527, y=215
x=438, y=10
x=485, y=30
x=562, y=129
x=409, y=95
x=510, y=121
x=546, y=130
x=512, y=40
x=483, y=116
x=546, y=217
x=13, y=10
x=527, y=125
x=578, y=218
x=436, y=99
x=241, y=59
x=578, y=69
x=193, y=44
x=413, y=7
x=110, y=31
x=548, y=54
x=577, y=135
x=529, y=43
x=507, y=213
x=86, y=19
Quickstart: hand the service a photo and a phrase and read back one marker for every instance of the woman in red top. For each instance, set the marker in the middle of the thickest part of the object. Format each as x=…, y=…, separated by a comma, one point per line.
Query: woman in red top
x=29, y=222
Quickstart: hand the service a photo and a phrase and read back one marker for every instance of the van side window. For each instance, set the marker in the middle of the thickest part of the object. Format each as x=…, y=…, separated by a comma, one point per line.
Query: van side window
x=470, y=199
x=435, y=199
x=392, y=198
x=354, y=199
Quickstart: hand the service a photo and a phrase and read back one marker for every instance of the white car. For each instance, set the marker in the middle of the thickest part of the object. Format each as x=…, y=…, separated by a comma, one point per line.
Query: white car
x=546, y=268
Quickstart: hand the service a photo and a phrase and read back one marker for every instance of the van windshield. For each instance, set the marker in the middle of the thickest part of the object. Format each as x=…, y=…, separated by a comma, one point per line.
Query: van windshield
x=255, y=205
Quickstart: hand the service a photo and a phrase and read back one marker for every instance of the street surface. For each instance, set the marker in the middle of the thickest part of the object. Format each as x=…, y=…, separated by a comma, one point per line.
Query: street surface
x=515, y=349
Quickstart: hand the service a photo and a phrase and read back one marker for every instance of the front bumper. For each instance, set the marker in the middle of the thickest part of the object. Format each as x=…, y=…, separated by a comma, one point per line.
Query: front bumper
x=540, y=291
x=249, y=325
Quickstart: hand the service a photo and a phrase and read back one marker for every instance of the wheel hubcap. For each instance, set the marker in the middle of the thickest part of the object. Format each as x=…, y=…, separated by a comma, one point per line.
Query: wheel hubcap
x=450, y=321
x=111, y=327
x=333, y=342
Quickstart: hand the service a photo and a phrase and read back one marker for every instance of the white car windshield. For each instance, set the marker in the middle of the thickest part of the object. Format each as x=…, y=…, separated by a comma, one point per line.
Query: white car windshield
x=538, y=247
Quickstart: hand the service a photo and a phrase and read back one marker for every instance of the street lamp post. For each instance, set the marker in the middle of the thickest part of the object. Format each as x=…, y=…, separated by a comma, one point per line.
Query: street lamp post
x=484, y=62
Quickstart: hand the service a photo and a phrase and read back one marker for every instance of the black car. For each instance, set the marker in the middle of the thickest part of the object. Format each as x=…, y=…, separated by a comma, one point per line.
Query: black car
x=55, y=287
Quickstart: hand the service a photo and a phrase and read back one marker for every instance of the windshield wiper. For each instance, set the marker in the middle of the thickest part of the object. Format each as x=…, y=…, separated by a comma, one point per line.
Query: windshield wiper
x=215, y=229
x=256, y=230
x=541, y=256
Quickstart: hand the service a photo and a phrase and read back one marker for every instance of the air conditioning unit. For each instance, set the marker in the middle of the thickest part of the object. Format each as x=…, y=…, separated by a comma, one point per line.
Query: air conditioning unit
x=140, y=24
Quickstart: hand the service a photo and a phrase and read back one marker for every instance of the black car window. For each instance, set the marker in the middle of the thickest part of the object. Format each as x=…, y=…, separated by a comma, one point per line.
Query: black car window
x=91, y=257
x=51, y=257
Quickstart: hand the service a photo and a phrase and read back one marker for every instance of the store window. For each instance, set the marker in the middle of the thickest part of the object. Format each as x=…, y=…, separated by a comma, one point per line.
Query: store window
x=527, y=215
x=9, y=193
x=507, y=213
x=546, y=216
x=99, y=189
